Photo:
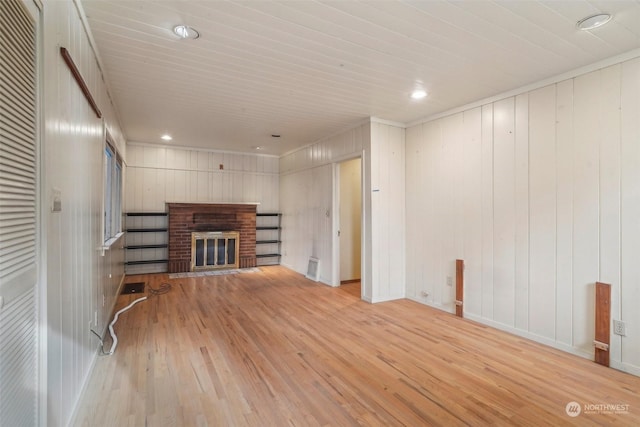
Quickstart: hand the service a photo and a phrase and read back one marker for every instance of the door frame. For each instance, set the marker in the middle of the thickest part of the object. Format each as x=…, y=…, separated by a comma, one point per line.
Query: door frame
x=335, y=223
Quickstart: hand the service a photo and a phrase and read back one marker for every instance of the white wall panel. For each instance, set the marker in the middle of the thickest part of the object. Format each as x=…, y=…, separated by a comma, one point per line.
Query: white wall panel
x=630, y=211
x=150, y=156
x=160, y=157
x=587, y=99
x=564, y=213
x=609, y=203
x=379, y=234
x=504, y=212
x=450, y=220
x=472, y=195
x=176, y=159
x=131, y=192
x=77, y=273
x=150, y=188
x=550, y=201
x=487, y=211
x=180, y=186
x=430, y=244
x=414, y=205
x=521, y=297
x=542, y=212
x=458, y=144
x=184, y=175
x=440, y=216
x=387, y=211
x=202, y=161
x=192, y=160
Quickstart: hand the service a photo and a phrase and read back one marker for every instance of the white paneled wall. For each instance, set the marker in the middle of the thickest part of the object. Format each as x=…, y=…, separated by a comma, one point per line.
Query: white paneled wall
x=157, y=175
x=538, y=193
x=306, y=201
x=627, y=292
x=384, y=190
x=79, y=283
x=307, y=204
x=113, y=265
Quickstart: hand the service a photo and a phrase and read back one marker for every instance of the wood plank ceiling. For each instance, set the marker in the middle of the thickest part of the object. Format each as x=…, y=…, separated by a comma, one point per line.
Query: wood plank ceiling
x=308, y=69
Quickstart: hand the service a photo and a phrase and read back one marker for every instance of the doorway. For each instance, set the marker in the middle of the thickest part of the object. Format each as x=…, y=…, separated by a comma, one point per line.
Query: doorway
x=349, y=189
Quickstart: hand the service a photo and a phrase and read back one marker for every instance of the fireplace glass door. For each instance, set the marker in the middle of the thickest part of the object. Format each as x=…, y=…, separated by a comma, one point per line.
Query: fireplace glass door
x=212, y=250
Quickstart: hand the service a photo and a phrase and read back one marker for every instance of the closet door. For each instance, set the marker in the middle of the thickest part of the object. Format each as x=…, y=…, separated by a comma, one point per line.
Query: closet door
x=18, y=219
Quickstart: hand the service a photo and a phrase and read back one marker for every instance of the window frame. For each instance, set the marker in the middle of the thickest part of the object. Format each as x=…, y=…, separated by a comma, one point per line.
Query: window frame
x=112, y=187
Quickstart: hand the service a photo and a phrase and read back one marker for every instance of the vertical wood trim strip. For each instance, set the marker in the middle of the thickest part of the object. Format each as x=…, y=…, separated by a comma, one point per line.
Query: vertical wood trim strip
x=78, y=77
x=603, y=322
x=459, y=287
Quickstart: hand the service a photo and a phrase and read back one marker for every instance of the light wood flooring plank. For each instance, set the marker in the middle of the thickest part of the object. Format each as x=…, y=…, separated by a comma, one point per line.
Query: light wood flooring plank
x=275, y=349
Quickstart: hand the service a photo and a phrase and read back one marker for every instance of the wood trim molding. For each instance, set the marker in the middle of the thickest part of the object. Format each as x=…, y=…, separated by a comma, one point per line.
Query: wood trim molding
x=603, y=323
x=459, y=287
x=78, y=77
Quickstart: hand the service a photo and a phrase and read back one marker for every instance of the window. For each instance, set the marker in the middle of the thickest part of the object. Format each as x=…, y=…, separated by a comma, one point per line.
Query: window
x=112, y=192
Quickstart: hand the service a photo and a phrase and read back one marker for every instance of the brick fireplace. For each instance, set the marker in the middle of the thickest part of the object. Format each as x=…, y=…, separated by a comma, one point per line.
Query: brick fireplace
x=186, y=218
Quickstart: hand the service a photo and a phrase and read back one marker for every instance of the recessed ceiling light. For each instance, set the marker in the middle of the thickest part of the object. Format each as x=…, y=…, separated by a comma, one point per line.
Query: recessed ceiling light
x=593, y=21
x=257, y=148
x=166, y=137
x=418, y=94
x=185, y=32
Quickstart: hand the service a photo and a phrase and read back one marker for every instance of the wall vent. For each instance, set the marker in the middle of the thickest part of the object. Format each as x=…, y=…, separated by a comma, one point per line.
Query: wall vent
x=313, y=269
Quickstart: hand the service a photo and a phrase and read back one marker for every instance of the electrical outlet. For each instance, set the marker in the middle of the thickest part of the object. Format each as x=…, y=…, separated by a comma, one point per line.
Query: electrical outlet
x=619, y=328
x=449, y=281
x=95, y=317
x=424, y=294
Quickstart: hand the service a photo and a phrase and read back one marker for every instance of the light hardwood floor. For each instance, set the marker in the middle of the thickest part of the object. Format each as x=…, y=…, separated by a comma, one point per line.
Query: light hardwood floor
x=274, y=349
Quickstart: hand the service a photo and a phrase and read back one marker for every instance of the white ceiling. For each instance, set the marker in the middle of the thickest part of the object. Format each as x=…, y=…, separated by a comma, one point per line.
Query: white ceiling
x=308, y=69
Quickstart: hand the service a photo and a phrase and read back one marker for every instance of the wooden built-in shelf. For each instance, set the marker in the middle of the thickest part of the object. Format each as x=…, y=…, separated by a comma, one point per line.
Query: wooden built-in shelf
x=262, y=242
x=146, y=230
